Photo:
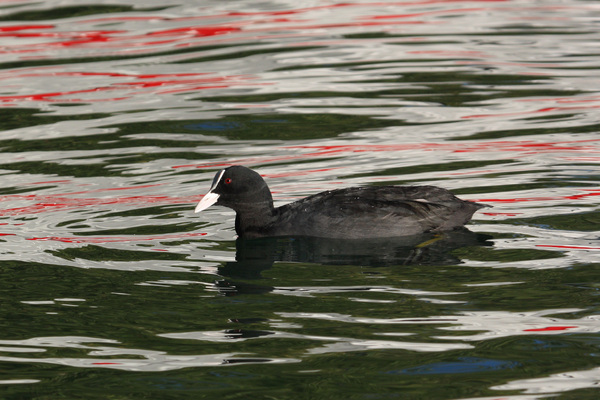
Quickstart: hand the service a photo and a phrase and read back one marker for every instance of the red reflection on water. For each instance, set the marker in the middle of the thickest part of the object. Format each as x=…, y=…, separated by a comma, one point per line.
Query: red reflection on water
x=582, y=158
x=165, y=33
x=116, y=239
x=260, y=25
x=60, y=202
x=516, y=146
x=558, y=246
x=106, y=363
x=150, y=185
x=130, y=42
x=160, y=83
x=359, y=4
x=444, y=12
x=52, y=204
x=541, y=110
x=594, y=192
x=77, y=36
x=196, y=31
x=502, y=214
x=46, y=203
x=527, y=146
x=550, y=328
x=49, y=97
x=106, y=41
x=65, y=39
x=87, y=37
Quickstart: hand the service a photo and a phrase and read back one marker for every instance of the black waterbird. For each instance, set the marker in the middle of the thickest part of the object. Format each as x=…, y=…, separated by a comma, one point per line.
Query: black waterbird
x=350, y=213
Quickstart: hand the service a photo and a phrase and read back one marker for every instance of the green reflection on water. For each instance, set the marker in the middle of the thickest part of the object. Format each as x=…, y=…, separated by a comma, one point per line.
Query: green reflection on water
x=14, y=118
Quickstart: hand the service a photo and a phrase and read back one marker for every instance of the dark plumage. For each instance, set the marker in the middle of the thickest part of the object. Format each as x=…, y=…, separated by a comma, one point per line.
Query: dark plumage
x=352, y=213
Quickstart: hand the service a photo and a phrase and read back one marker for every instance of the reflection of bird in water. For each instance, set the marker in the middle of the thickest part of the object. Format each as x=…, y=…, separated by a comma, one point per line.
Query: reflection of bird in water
x=352, y=213
x=256, y=255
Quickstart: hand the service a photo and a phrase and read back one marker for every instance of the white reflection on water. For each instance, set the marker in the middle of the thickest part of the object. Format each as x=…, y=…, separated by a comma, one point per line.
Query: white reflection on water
x=493, y=324
x=515, y=397
x=556, y=383
x=18, y=381
x=307, y=291
x=102, y=356
x=339, y=345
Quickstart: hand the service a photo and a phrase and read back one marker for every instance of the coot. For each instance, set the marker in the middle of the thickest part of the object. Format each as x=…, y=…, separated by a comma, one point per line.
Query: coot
x=351, y=213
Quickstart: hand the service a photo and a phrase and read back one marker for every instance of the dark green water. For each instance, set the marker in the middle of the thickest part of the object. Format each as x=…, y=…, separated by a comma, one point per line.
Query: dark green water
x=114, y=119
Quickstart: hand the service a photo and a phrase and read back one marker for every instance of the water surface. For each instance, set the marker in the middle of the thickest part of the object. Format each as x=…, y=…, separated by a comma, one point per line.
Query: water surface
x=116, y=116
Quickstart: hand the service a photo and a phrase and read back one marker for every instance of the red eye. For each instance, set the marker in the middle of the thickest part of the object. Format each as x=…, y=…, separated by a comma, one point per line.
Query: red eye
x=227, y=181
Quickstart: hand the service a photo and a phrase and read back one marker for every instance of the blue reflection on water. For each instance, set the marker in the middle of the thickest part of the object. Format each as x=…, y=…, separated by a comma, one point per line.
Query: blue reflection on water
x=465, y=365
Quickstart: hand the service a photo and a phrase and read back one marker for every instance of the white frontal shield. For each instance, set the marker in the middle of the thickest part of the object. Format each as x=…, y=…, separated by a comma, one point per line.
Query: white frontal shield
x=210, y=198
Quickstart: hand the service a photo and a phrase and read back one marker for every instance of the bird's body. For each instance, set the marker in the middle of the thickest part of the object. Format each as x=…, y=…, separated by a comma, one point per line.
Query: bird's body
x=350, y=213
